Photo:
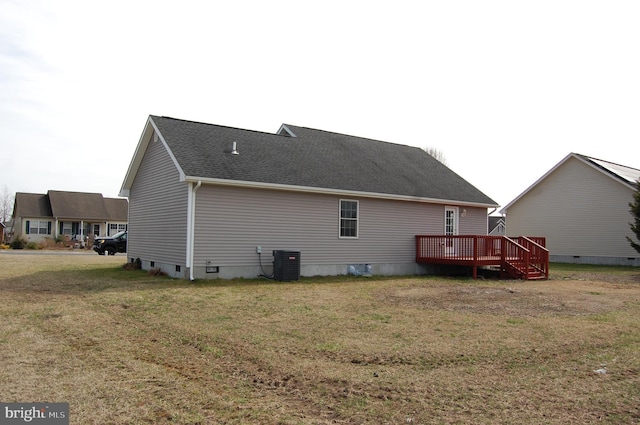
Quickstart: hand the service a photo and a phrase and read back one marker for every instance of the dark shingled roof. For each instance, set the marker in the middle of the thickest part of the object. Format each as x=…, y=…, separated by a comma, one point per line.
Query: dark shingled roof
x=117, y=209
x=77, y=205
x=313, y=158
x=31, y=205
x=71, y=206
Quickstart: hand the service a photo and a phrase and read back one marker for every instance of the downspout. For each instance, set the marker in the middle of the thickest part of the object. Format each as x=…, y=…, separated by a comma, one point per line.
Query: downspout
x=191, y=225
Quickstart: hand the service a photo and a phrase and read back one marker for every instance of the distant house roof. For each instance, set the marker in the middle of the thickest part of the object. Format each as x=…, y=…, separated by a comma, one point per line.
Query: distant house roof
x=31, y=205
x=628, y=176
x=300, y=158
x=77, y=205
x=494, y=221
x=117, y=209
x=71, y=206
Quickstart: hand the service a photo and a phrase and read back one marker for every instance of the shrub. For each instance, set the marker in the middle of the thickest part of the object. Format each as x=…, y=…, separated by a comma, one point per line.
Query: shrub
x=156, y=272
x=32, y=245
x=47, y=243
x=133, y=265
x=18, y=243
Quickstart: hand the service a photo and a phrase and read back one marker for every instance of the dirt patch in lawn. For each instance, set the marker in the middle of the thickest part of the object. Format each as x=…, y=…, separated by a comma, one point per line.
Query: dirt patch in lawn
x=516, y=299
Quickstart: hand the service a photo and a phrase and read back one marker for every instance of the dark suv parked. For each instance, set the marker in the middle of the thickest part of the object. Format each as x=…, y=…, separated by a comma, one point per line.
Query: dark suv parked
x=111, y=244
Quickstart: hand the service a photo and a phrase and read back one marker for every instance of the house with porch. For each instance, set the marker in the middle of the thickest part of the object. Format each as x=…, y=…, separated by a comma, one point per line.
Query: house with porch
x=210, y=201
x=75, y=215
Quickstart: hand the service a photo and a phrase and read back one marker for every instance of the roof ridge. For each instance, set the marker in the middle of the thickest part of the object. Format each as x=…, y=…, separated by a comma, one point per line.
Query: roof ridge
x=73, y=191
x=352, y=136
x=217, y=125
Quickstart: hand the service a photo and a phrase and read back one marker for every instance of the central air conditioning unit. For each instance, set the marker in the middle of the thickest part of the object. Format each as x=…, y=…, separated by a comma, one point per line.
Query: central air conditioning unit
x=286, y=265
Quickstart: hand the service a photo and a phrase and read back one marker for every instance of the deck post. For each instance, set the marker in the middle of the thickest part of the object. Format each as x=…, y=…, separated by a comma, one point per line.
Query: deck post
x=475, y=257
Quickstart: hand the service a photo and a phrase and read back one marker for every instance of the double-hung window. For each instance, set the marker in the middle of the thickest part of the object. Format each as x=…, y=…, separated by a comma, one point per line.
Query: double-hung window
x=348, y=218
x=67, y=228
x=37, y=227
x=70, y=228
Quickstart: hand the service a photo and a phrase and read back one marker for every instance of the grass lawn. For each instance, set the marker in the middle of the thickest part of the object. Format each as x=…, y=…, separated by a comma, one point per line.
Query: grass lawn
x=123, y=347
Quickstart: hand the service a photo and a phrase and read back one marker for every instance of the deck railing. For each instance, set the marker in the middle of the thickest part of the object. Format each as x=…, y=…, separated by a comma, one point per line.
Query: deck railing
x=463, y=247
x=523, y=256
x=539, y=257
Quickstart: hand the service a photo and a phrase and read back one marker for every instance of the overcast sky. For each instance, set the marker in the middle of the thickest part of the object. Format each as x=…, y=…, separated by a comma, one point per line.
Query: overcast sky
x=504, y=89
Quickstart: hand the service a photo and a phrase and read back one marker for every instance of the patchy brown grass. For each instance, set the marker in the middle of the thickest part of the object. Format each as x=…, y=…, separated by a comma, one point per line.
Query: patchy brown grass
x=124, y=347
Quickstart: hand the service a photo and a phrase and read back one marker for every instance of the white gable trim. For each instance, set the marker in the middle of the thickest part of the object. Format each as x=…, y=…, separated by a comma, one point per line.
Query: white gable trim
x=147, y=137
x=285, y=131
x=582, y=158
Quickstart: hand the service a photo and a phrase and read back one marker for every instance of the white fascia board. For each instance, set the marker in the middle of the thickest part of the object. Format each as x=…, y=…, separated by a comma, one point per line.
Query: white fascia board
x=141, y=147
x=173, y=158
x=328, y=191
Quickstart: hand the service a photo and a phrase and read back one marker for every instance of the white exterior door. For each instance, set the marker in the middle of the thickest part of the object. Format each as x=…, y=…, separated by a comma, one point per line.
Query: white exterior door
x=450, y=229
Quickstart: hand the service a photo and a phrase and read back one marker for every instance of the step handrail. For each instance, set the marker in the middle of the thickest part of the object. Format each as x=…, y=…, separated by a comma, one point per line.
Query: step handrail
x=512, y=250
x=539, y=255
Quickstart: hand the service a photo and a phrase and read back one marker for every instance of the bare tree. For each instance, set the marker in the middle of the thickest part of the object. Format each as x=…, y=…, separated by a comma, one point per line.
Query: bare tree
x=437, y=154
x=6, y=204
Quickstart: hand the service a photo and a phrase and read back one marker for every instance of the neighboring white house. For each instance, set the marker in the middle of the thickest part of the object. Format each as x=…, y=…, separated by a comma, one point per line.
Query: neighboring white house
x=38, y=216
x=208, y=201
x=582, y=208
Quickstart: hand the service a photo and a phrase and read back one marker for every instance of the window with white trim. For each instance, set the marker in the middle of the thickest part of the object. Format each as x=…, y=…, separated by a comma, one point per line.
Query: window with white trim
x=348, y=218
x=37, y=227
x=67, y=228
x=115, y=227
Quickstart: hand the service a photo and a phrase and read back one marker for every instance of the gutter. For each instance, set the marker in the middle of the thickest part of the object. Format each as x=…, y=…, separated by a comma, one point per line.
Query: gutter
x=191, y=218
x=339, y=192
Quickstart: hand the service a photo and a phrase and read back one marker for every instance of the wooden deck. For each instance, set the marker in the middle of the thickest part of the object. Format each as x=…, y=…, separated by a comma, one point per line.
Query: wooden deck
x=521, y=258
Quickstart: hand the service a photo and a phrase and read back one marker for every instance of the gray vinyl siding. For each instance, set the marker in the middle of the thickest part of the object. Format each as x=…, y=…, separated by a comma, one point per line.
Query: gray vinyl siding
x=231, y=222
x=474, y=222
x=580, y=210
x=158, y=210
